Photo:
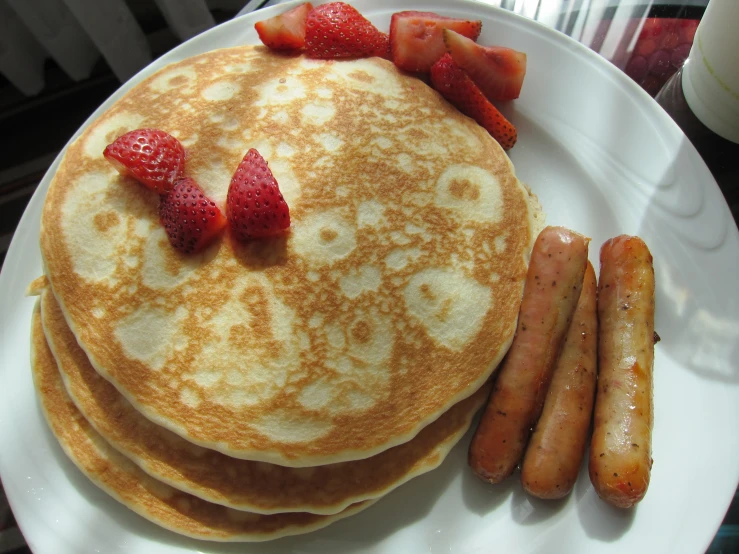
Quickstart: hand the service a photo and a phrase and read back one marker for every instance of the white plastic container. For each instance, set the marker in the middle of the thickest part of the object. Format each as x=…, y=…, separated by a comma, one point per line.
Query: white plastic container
x=711, y=73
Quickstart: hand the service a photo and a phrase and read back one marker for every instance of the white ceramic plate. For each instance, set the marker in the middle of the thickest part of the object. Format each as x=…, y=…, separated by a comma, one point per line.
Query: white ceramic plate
x=604, y=160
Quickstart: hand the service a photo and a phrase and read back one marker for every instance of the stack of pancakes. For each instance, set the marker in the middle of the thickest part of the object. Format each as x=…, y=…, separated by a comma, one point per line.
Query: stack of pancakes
x=262, y=389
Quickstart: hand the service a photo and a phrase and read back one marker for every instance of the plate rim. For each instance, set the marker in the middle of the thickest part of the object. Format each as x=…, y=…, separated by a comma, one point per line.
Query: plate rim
x=29, y=218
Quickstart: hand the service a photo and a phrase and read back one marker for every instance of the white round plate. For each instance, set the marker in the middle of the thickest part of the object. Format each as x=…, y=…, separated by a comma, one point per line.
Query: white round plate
x=604, y=160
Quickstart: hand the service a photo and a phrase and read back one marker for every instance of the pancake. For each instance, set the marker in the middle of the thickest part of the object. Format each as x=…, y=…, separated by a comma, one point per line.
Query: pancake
x=392, y=298
x=124, y=481
x=241, y=484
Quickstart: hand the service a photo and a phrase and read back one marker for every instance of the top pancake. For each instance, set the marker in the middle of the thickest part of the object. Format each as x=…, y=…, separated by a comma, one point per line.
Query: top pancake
x=393, y=297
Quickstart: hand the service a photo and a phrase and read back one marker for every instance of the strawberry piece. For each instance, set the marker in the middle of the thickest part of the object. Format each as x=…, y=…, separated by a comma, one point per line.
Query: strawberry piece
x=255, y=206
x=152, y=157
x=652, y=27
x=687, y=29
x=416, y=40
x=338, y=30
x=457, y=87
x=191, y=219
x=645, y=47
x=285, y=31
x=497, y=70
x=637, y=68
x=669, y=40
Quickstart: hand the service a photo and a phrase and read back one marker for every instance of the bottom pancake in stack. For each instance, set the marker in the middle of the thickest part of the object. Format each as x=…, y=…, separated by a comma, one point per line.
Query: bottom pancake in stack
x=194, y=491
x=124, y=481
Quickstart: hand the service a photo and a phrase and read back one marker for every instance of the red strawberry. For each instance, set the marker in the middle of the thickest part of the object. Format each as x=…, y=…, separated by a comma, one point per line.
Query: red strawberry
x=190, y=218
x=457, y=87
x=686, y=30
x=337, y=30
x=285, y=31
x=150, y=156
x=497, y=70
x=416, y=40
x=255, y=206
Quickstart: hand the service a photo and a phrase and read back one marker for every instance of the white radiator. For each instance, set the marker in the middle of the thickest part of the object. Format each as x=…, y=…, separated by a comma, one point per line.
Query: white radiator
x=76, y=33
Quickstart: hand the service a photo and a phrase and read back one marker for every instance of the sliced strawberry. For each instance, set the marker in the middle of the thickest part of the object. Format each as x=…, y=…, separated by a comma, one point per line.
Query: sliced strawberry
x=497, y=70
x=338, y=30
x=416, y=40
x=285, y=31
x=457, y=87
x=255, y=206
x=150, y=156
x=190, y=218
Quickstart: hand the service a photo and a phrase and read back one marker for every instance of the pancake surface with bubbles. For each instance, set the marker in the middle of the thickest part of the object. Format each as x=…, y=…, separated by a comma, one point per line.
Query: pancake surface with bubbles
x=392, y=298
x=242, y=484
x=124, y=481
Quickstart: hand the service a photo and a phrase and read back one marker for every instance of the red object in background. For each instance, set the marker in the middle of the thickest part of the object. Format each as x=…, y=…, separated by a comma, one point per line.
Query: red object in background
x=662, y=47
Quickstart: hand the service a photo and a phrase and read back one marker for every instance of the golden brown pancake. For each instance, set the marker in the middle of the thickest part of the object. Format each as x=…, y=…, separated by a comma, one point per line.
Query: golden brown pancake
x=124, y=481
x=392, y=298
x=242, y=484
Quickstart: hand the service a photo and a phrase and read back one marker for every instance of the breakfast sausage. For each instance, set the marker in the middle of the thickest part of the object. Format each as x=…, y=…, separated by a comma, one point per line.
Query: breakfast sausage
x=551, y=291
x=620, y=451
x=557, y=446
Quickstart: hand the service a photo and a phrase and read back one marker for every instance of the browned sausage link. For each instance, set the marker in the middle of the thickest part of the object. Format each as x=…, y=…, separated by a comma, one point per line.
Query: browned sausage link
x=557, y=446
x=620, y=451
x=551, y=291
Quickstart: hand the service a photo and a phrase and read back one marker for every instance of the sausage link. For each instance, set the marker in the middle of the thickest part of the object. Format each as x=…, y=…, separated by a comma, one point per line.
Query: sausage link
x=620, y=451
x=557, y=446
x=552, y=288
